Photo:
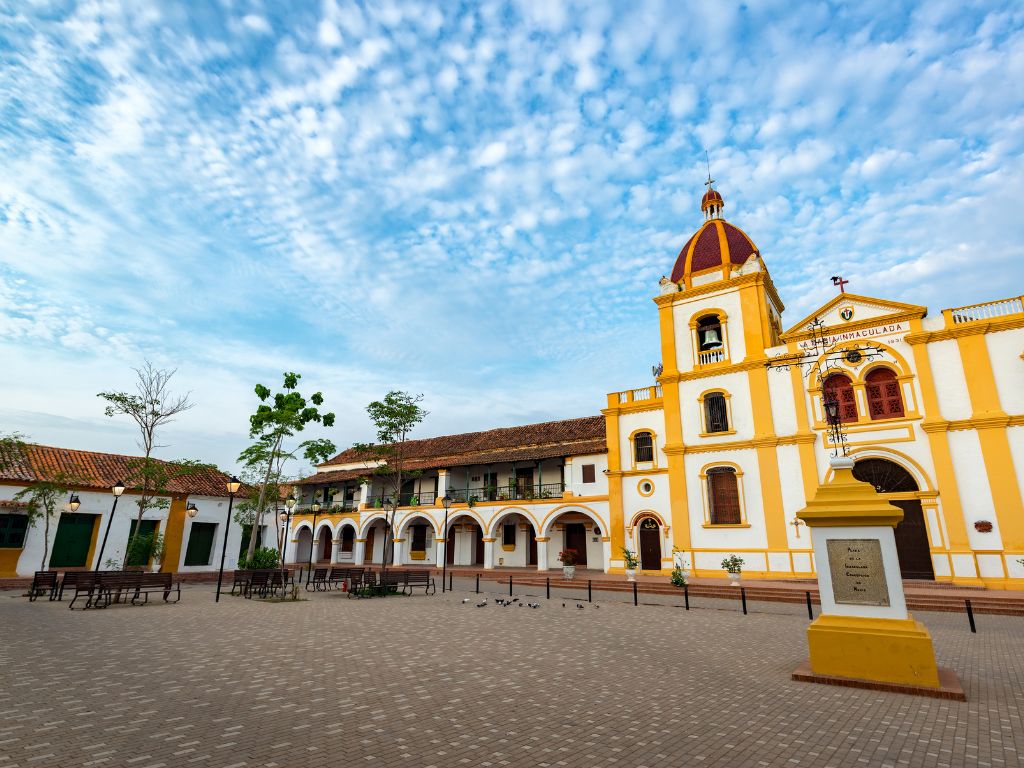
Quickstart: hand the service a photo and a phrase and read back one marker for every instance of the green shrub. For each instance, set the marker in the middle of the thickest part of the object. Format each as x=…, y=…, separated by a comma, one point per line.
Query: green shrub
x=263, y=557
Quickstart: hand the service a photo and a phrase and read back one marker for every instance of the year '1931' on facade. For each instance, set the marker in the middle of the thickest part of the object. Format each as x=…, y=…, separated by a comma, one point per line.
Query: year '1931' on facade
x=719, y=456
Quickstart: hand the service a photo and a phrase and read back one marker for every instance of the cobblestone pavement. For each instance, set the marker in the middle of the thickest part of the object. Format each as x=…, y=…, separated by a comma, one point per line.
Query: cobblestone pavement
x=431, y=681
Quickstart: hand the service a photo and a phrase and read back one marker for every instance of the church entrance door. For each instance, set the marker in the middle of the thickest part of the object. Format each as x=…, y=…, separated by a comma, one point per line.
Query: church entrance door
x=650, y=545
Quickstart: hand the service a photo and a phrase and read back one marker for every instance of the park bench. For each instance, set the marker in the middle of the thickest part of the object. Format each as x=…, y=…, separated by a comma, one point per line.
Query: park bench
x=278, y=579
x=111, y=585
x=318, y=581
x=420, y=578
x=240, y=581
x=43, y=583
x=391, y=579
x=340, y=575
x=85, y=584
x=71, y=579
x=360, y=580
x=158, y=584
x=259, y=582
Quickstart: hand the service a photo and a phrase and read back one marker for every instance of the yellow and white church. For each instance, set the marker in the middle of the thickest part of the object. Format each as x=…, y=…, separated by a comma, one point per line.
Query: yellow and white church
x=719, y=456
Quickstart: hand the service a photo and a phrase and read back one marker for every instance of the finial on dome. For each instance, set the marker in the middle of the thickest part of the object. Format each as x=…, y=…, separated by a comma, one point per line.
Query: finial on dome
x=712, y=203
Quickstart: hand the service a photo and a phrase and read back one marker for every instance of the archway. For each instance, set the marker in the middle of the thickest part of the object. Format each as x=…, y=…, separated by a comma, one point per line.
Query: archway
x=577, y=530
x=649, y=535
x=304, y=544
x=465, y=541
x=346, y=542
x=324, y=544
x=899, y=487
x=515, y=539
x=376, y=541
x=418, y=532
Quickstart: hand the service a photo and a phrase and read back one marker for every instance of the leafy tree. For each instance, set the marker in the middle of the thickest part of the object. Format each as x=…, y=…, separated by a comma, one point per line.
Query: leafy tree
x=42, y=498
x=394, y=417
x=278, y=417
x=151, y=406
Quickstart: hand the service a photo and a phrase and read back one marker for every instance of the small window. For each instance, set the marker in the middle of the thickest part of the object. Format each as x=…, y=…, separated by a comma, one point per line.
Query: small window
x=589, y=473
x=716, y=413
x=508, y=535
x=883, y=391
x=348, y=537
x=643, y=446
x=419, y=538
x=724, y=496
x=12, y=531
x=200, y=543
x=838, y=386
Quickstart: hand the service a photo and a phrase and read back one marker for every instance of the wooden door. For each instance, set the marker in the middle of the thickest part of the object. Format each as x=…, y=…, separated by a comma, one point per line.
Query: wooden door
x=576, y=538
x=449, y=547
x=200, y=543
x=912, y=541
x=325, y=545
x=650, y=545
x=531, y=558
x=71, y=543
x=478, y=545
x=370, y=535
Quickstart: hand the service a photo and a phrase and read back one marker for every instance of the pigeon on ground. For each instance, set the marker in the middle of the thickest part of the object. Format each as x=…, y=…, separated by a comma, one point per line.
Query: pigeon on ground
x=563, y=605
x=465, y=599
x=481, y=605
x=579, y=606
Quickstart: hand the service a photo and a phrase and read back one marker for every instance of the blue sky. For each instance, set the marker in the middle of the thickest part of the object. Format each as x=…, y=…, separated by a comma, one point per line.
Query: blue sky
x=475, y=202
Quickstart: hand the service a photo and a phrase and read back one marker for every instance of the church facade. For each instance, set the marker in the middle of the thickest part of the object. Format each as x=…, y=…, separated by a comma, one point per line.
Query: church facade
x=718, y=457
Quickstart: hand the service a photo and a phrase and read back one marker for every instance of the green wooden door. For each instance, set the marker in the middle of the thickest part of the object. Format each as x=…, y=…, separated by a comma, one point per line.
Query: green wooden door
x=71, y=544
x=200, y=543
x=140, y=556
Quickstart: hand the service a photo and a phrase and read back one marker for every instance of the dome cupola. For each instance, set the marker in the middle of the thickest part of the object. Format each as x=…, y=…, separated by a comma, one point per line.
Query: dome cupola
x=717, y=245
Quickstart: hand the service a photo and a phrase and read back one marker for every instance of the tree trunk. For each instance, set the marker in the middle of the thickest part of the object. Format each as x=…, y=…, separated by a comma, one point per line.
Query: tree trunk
x=46, y=540
x=261, y=504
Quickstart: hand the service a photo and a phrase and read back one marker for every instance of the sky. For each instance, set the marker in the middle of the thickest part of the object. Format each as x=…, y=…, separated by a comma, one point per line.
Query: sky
x=470, y=201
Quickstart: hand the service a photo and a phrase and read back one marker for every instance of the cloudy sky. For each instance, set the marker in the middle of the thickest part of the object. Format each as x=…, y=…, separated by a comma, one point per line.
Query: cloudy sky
x=474, y=202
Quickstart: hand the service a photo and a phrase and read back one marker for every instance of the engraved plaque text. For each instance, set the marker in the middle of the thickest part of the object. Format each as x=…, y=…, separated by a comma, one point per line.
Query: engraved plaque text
x=857, y=574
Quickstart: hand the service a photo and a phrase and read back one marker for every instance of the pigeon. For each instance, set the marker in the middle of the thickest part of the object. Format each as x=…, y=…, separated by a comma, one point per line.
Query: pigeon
x=597, y=606
x=579, y=606
x=515, y=599
x=563, y=605
x=482, y=605
x=465, y=599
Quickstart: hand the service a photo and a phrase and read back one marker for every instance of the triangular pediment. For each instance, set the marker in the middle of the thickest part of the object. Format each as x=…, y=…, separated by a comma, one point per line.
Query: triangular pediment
x=851, y=309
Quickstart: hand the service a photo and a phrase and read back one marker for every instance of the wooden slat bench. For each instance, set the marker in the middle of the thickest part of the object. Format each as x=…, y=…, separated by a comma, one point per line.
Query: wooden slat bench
x=318, y=582
x=339, y=576
x=360, y=580
x=420, y=578
x=43, y=583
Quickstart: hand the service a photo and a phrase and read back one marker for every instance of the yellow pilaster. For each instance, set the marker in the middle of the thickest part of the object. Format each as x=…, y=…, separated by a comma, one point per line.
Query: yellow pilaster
x=991, y=422
x=766, y=445
x=615, y=510
x=808, y=459
x=174, y=534
x=678, y=503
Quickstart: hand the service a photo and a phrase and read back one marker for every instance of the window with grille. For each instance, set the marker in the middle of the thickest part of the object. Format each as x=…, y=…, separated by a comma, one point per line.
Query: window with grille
x=508, y=534
x=724, y=496
x=589, y=475
x=12, y=531
x=838, y=386
x=348, y=538
x=885, y=401
x=643, y=446
x=716, y=414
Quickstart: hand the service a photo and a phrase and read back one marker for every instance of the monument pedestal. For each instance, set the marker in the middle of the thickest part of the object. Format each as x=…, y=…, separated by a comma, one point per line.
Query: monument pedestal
x=864, y=636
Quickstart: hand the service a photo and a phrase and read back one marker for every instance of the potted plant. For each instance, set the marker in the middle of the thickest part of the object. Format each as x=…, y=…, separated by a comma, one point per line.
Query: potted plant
x=733, y=565
x=680, y=573
x=567, y=557
x=156, y=551
x=414, y=501
x=629, y=556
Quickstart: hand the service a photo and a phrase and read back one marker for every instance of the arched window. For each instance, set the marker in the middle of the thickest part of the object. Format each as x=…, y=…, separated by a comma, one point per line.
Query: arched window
x=709, y=333
x=883, y=391
x=838, y=386
x=643, y=446
x=724, y=496
x=716, y=413
x=348, y=537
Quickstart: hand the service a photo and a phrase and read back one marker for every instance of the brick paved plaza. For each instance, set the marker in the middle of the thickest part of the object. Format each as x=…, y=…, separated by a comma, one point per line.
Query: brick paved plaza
x=430, y=681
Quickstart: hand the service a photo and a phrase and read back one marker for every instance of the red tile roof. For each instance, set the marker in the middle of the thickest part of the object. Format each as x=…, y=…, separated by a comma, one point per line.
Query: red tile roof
x=531, y=442
x=102, y=470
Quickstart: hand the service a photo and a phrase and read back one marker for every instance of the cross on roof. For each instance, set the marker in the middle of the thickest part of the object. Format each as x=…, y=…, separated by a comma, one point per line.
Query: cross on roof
x=838, y=280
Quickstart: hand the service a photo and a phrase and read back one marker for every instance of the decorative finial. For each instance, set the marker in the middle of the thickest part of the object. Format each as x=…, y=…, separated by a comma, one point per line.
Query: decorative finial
x=712, y=203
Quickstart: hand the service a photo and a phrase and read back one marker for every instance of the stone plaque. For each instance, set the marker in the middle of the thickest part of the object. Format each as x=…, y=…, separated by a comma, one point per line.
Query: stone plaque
x=857, y=574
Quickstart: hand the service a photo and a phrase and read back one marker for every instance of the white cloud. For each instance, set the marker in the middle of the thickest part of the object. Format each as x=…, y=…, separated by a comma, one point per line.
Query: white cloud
x=492, y=154
x=257, y=24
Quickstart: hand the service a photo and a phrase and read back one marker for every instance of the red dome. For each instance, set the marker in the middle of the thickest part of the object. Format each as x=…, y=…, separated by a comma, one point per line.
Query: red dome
x=711, y=197
x=716, y=244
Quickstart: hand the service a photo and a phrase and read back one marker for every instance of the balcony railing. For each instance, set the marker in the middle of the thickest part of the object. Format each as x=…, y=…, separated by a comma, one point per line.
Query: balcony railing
x=988, y=311
x=348, y=504
x=424, y=499
x=641, y=394
x=489, y=493
x=711, y=356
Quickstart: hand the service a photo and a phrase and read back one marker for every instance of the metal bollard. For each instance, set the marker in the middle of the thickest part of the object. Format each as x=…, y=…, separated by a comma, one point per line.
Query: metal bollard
x=810, y=610
x=478, y=583
x=548, y=580
x=743, y=599
x=636, y=600
x=451, y=580
x=686, y=595
x=970, y=616
x=590, y=592
x=510, y=585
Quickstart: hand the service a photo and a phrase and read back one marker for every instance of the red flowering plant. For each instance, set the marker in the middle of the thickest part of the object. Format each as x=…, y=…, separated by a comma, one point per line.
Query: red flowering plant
x=568, y=557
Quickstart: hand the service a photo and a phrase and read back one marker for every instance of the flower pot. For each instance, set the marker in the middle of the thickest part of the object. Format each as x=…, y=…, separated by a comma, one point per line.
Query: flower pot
x=734, y=579
x=156, y=567
x=568, y=572
x=631, y=574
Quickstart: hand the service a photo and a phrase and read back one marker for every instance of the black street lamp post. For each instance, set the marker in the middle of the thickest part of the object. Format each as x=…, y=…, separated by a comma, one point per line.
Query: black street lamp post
x=117, y=489
x=447, y=502
x=315, y=509
x=835, y=424
x=233, y=485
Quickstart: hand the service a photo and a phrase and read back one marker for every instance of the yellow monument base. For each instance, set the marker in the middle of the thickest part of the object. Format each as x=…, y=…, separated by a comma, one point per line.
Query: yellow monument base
x=884, y=650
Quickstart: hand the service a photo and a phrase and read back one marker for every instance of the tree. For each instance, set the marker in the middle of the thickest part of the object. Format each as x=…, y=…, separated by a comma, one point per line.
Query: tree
x=151, y=406
x=279, y=416
x=42, y=498
x=394, y=417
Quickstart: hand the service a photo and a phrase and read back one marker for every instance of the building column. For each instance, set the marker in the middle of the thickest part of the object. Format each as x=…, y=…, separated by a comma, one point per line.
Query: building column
x=335, y=549
x=397, y=551
x=359, y=552
x=442, y=486
x=488, y=552
x=364, y=495
x=440, y=551
x=567, y=490
x=606, y=547
x=542, y=553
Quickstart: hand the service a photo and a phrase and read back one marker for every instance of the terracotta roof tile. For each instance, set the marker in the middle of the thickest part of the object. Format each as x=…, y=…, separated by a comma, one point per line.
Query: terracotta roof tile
x=103, y=470
x=531, y=442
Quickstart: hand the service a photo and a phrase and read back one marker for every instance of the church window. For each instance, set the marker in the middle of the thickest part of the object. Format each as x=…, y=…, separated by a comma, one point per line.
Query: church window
x=839, y=386
x=724, y=496
x=883, y=392
x=643, y=446
x=716, y=413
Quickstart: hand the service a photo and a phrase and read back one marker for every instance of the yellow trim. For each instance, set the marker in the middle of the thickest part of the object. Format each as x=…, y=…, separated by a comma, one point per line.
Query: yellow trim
x=553, y=514
x=744, y=522
x=846, y=501
x=765, y=443
x=639, y=487
x=174, y=534
x=703, y=413
x=92, y=542
x=799, y=330
x=9, y=557
x=654, y=447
